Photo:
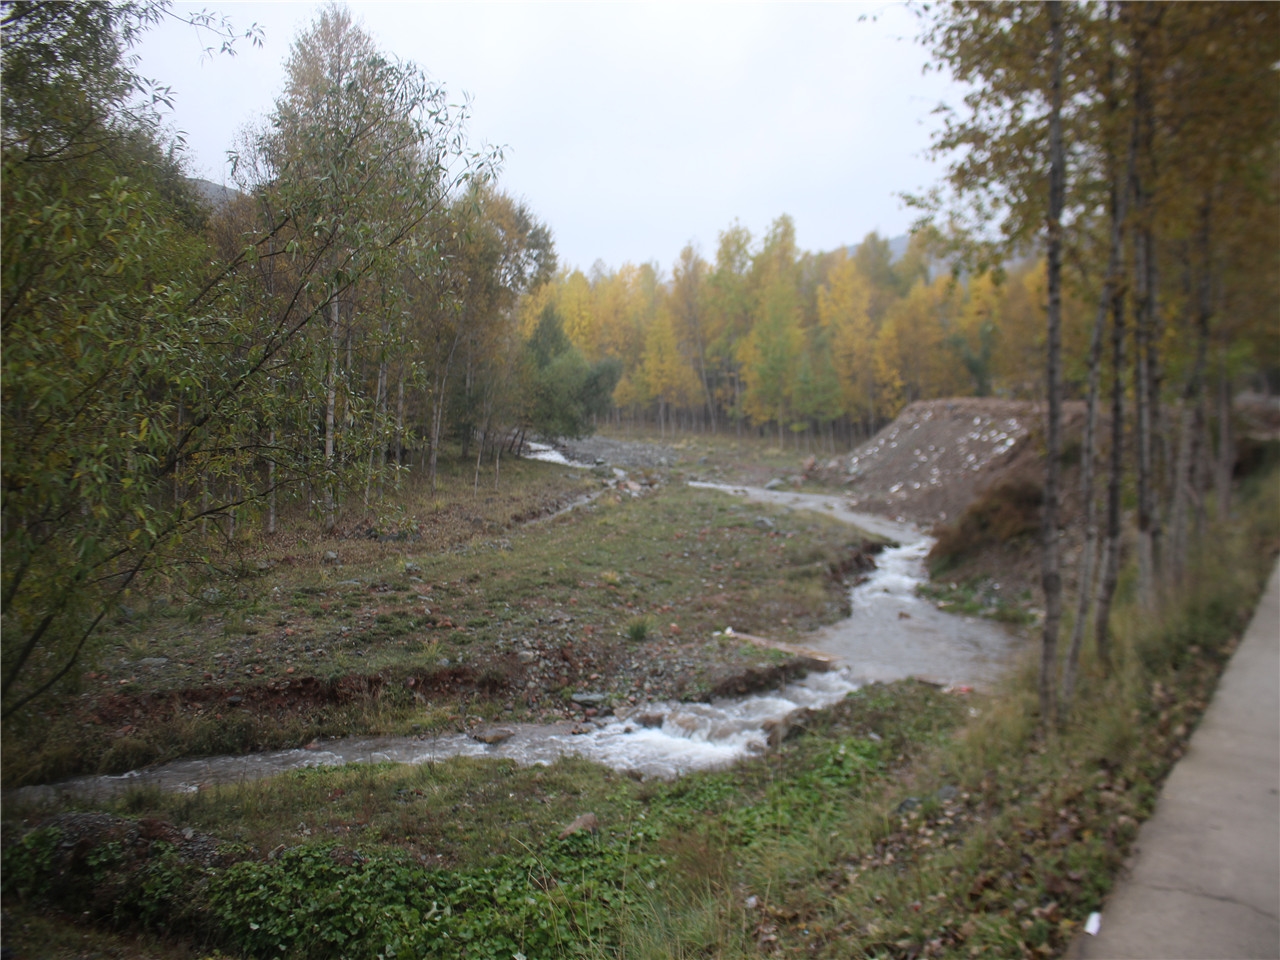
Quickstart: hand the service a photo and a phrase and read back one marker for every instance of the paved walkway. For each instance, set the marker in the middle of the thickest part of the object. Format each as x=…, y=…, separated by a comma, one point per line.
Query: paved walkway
x=1205, y=881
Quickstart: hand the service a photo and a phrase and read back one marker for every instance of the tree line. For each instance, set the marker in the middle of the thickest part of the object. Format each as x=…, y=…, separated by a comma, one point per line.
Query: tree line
x=1136, y=145
x=813, y=348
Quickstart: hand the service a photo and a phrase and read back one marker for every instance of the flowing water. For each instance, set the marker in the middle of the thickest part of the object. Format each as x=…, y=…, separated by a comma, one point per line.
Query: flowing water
x=549, y=454
x=891, y=634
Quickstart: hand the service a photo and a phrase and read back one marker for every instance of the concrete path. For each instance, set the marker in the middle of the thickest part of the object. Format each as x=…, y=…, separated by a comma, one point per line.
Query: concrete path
x=1205, y=880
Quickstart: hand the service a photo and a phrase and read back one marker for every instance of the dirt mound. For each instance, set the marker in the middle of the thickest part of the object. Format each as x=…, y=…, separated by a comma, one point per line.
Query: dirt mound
x=930, y=462
x=973, y=470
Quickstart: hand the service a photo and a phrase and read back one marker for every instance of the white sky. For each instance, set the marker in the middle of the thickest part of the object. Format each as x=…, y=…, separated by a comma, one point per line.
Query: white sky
x=630, y=129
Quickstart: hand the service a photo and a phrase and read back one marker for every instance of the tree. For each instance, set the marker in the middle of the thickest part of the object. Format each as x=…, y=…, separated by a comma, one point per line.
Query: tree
x=109, y=333
x=1013, y=135
x=690, y=316
x=728, y=305
x=977, y=330
x=358, y=158
x=150, y=367
x=1052, y=572
x=667, y=376
x=563, y=392
x=770, y=352
x=844, y=310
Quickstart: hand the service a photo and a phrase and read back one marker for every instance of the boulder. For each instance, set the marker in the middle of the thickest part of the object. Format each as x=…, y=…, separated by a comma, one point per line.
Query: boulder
x=587, y=822
x=493, y=735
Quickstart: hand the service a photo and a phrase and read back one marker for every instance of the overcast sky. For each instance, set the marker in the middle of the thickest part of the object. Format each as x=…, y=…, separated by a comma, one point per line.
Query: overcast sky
x=630, y=129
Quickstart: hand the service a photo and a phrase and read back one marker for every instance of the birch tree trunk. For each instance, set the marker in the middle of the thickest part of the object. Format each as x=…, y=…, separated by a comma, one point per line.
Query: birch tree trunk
x=1051, y=562
x=1111, y=556
x=1089, y=453
x=1185, y=489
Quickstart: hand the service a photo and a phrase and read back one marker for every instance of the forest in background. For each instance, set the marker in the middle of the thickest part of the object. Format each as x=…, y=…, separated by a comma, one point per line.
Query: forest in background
x=817, y=349
x=175, y=376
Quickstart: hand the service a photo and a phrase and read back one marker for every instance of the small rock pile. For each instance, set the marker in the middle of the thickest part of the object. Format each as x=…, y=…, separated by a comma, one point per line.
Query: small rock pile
x=603, y=451
x=634, y=486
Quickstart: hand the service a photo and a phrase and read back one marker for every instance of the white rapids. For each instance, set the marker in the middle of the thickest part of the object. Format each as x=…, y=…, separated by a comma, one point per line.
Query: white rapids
x=549, y=454
x=891, y=634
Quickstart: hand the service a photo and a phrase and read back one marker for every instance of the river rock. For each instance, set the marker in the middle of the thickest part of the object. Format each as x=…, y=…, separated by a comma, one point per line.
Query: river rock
x=589, y=699
x=587, y=822
x=493, y=735
x=774, y=484
x=776, y=731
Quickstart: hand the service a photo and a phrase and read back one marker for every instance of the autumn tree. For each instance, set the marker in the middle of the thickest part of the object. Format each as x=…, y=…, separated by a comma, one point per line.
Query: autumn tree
x=110, y=325
x=162, y=373
x=844, y=311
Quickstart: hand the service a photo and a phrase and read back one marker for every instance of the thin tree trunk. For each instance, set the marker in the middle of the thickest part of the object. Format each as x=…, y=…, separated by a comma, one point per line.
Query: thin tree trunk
x=380, y=404
x=1111, y=559
x=330, y=405
x=271, y=484
x=1051, y=564
x=399, y=425
x=1146, y=350
x=1185, y=483
x=437, y=421
x=177, y=467
x=1226, y=442
x=1089, y=452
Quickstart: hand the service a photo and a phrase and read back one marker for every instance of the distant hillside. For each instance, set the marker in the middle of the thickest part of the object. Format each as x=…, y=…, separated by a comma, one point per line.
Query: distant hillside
x=213, y=194
x=897, y=247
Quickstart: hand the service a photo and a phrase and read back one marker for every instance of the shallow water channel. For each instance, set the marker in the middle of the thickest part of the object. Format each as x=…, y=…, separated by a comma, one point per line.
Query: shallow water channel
x=891, y=634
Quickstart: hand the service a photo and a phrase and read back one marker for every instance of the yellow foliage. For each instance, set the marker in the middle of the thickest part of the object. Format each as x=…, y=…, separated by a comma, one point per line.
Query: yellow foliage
x=844, y=308
x=667, y=375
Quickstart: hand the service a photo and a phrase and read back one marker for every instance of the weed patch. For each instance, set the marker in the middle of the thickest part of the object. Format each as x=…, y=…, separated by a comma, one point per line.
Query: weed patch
x=1003, y=514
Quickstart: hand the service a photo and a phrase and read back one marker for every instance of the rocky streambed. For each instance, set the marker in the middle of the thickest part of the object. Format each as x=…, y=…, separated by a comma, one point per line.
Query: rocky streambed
x=891, y=634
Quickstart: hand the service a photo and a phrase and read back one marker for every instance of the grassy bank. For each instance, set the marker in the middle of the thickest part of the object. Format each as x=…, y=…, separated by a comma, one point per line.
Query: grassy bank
x=903, y=822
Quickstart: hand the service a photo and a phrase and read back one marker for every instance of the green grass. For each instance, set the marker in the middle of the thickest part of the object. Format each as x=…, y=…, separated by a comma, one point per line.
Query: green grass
x=477, y=838
x=981, y=596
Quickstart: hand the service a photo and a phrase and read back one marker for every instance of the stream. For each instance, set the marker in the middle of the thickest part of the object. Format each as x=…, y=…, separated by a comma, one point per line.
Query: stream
x=891, y=634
